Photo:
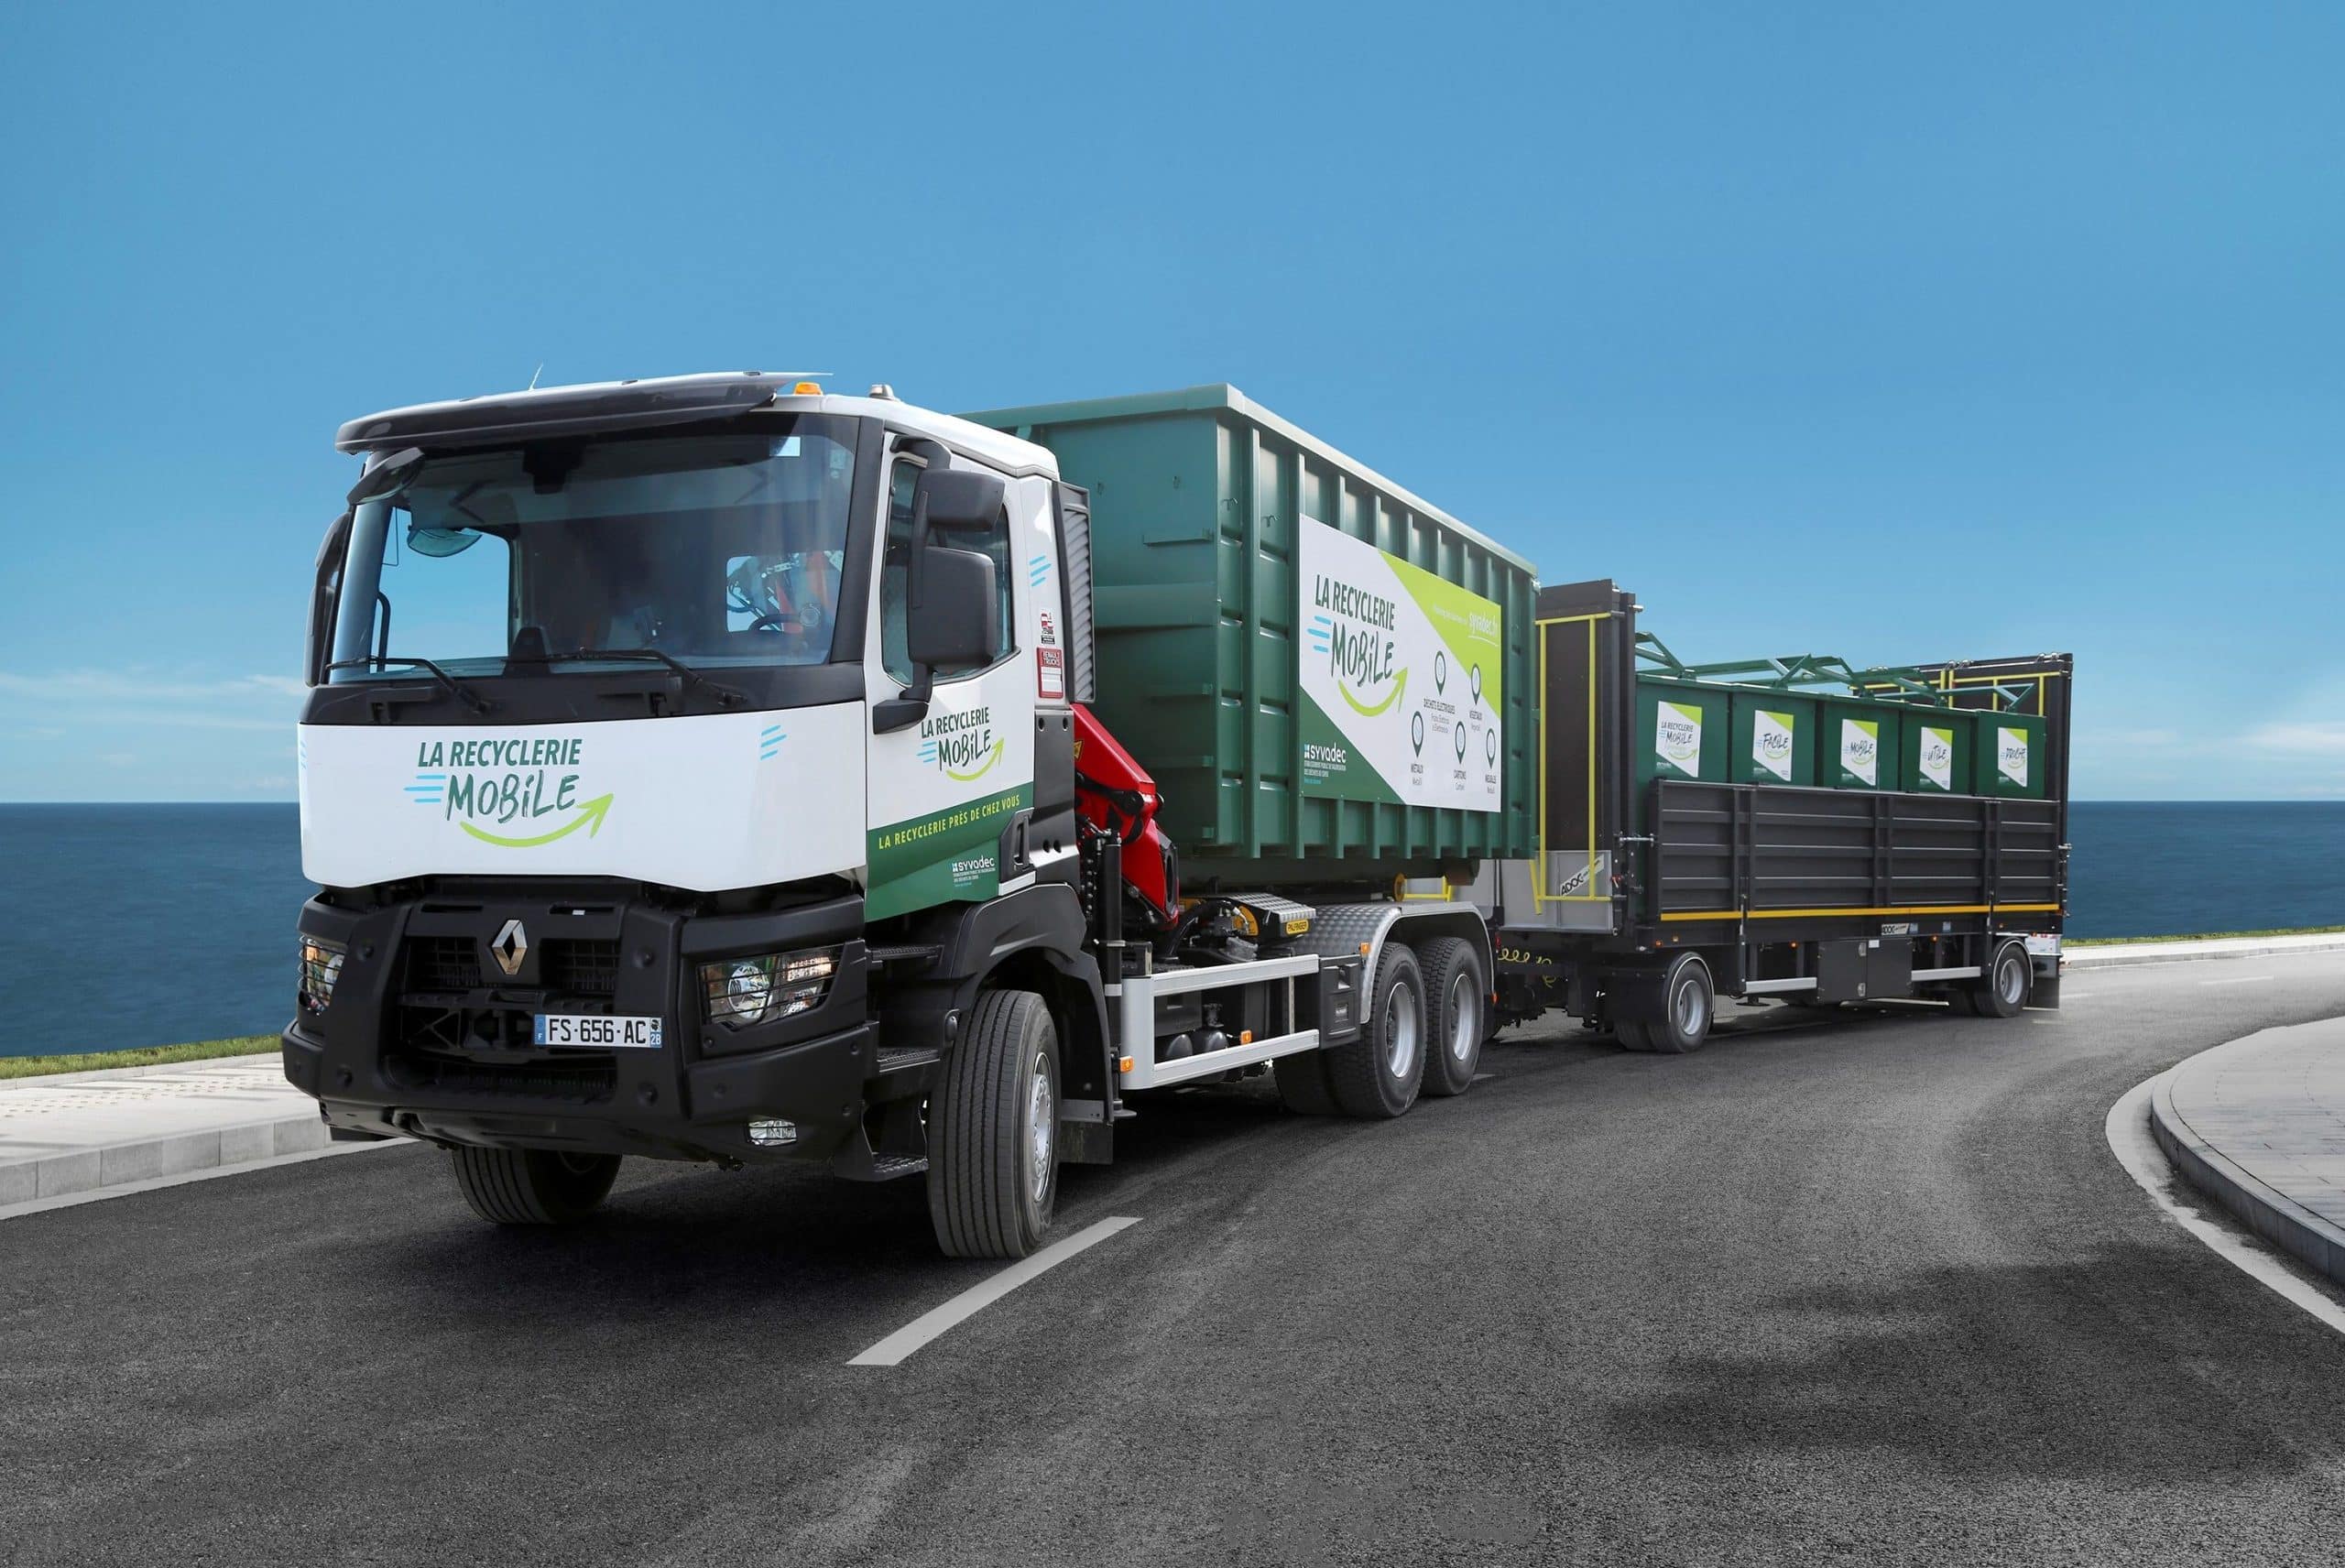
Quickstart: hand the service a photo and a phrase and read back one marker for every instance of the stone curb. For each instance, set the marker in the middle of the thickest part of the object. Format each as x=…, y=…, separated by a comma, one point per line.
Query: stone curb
x=2192, y=953
x=110, y=1165
x=2278, y=1219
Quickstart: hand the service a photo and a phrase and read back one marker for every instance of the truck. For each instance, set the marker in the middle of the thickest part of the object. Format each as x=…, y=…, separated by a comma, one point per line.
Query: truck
x=1789, y=830
x=719, y=769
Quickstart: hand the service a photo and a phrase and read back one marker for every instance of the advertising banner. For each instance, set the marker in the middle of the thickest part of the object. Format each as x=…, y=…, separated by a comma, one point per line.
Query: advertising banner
x=1400, y=680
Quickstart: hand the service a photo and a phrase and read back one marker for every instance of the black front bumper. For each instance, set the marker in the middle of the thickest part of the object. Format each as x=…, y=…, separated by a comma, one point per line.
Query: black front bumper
x=427, y=1036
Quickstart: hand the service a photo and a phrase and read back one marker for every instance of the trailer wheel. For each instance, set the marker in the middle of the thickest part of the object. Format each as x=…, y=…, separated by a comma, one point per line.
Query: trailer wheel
x=1632, y=1035
x=1302, y=1084
x=1963, y=1001
x=1689, y=1003
x=1379, y=1074
x=2003, y=994
x=1460, y=999
x=534, y=1186
x=993, y=1128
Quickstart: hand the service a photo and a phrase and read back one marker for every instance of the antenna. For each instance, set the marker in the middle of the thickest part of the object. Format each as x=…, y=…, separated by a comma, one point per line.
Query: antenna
x=541, y=370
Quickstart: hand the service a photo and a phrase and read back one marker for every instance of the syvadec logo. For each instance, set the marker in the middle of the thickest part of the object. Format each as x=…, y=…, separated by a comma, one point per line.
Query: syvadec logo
x=1356, y=632
x=963, y=746
x=524, y=782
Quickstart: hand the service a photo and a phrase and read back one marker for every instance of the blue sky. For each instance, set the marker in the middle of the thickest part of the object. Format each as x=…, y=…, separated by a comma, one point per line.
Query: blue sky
x=1903, y=334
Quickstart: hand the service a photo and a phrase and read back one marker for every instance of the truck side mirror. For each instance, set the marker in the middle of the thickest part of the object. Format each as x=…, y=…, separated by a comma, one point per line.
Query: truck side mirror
x=951, y=622
x=949, y=595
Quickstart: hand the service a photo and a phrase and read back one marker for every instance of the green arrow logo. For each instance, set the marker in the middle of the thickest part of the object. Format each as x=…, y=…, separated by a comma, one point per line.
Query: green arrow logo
x=590, y=816
x=999, y=744
x=1399, y=686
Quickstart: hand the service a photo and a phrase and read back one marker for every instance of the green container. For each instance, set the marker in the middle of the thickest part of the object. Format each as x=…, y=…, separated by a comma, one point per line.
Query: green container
x=1860, y=743
x=1774, y=737
x=2008, y=753
x=1295, y=646
x=1682, y=731
x=1934, y=750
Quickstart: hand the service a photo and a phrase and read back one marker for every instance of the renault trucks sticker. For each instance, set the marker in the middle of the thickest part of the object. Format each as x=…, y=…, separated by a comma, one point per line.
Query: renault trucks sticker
x=1770, y=742
x=2011, y=754
x=1860, y=752
x=1937, y=757
x=1677, y=738
x=1401, y=676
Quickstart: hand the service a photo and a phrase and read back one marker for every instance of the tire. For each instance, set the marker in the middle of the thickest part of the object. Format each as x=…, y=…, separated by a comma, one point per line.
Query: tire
x=1378, y=1075
x=1458, y=997
x=2002, y=991
x=993, y=1130
x=1302, y=1084
x=1632, y=1035
x=1689, y=1004
x=1962, y=1003
x=534, y=1186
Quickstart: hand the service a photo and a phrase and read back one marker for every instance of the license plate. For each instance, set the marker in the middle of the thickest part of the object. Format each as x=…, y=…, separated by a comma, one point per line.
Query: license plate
x=601, y=1029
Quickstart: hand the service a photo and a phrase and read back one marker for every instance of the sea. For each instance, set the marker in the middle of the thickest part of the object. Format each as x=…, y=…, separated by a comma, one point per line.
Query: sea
x=149, y=925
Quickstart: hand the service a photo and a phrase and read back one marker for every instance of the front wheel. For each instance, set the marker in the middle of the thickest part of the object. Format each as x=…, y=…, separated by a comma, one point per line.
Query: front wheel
x=993, y=1126
x=534, y=1186
x=1460, y=999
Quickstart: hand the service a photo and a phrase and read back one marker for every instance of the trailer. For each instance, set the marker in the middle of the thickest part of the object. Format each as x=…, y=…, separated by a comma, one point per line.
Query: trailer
x=1792, y=830
x=717, y=768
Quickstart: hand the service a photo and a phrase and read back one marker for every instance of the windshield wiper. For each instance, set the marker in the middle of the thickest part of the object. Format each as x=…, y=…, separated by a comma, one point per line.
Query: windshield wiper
x=457, y=688
x=724, y=694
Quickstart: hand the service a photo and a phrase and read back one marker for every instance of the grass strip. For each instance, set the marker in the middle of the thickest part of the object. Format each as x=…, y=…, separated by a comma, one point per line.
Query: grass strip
x=140, y=1056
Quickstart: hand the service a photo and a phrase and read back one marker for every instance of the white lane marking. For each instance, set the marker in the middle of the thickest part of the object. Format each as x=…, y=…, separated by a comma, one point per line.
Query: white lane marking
x=2075, y=996
x=209, y=1173
x=2136, y=1147
x=2236, y=980
x=975, y=1299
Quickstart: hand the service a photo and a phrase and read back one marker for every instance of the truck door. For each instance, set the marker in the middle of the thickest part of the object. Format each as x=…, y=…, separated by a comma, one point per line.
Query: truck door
x=951, y=798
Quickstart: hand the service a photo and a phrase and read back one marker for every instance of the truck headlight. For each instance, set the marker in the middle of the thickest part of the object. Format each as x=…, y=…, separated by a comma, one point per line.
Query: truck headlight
x=769, y=985
x=321, y=967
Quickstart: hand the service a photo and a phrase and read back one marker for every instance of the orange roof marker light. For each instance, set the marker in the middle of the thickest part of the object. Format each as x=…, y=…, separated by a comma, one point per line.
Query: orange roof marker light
x=807, y=389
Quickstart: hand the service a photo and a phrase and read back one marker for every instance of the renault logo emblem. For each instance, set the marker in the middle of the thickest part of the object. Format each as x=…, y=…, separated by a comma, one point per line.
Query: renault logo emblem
x=512, y=946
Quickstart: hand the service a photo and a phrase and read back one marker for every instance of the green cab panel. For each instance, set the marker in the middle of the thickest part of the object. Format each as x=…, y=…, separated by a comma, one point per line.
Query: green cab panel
x=1310, y=659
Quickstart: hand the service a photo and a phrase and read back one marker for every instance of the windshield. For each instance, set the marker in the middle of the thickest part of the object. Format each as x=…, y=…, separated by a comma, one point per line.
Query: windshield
x=720, y=550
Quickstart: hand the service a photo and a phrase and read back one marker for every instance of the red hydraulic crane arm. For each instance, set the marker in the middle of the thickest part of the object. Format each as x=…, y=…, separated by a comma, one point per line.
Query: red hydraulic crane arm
x=1114, y=794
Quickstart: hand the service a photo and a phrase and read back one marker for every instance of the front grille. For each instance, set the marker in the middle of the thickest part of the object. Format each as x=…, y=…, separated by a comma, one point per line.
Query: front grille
x=583, y=1081
x=442, y=963
x=581, y=966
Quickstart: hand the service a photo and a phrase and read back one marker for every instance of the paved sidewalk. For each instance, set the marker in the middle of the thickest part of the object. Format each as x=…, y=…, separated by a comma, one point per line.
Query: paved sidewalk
x=79, y=1132
x=2117, y=953
x=2258, y=1126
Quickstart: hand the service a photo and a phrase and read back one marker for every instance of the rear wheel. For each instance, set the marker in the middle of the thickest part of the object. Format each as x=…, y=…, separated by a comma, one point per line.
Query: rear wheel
x=1688, y=1006
x=1963, y=1002
x=2003, y=992
x=1379, y=1074
x=534, y=1186
x=993, y=1126
x=1632, y=1035
x=1460, y=999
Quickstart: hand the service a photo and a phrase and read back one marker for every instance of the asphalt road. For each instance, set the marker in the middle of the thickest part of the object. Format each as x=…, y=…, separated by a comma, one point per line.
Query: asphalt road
x=1870, y=1288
